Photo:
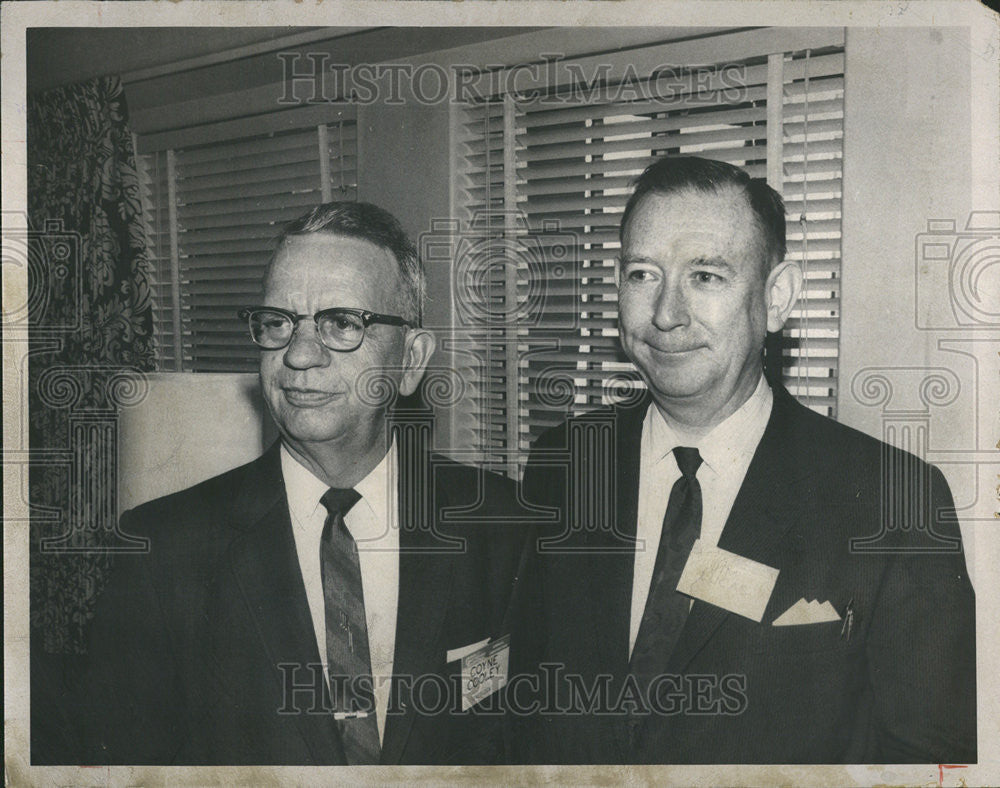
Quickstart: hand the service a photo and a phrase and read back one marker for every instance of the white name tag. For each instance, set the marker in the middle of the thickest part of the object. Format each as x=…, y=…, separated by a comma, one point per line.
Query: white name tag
x=727, y=580
x=457, y=653
x=484, y=671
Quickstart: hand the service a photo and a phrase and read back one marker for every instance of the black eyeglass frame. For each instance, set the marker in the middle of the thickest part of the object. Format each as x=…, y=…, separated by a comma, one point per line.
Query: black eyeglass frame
x=366, y=316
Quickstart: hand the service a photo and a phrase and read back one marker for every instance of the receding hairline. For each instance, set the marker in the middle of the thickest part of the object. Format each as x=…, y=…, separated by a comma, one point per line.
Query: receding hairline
x=333, y=234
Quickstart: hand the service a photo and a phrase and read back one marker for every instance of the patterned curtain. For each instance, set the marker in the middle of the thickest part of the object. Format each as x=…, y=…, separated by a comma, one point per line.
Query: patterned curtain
x=90, y=341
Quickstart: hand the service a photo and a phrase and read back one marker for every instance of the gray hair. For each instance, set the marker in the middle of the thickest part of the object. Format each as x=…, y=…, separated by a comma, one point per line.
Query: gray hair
x=377, y=226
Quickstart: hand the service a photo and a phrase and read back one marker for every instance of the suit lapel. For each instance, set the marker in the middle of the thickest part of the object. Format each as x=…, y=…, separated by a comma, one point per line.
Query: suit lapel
x=266, y=566
x=611, y=570
x=425, y=581
x=762, y=513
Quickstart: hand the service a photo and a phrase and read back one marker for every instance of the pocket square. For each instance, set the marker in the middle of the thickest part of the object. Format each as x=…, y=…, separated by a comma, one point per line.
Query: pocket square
x=803, y=612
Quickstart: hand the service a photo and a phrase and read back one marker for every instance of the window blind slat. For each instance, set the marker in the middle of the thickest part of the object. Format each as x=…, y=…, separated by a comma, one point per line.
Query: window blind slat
x=269, y=187
x=631, y=164
x=236, y=180
x=234, y=207
x=597, y=146
x=195, y=240
x=266, y=144
x=304, y=151
x=273, y=217
x=628, y=123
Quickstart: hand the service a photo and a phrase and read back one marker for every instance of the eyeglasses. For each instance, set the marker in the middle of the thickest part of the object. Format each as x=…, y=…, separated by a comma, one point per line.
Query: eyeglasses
x=339, y=329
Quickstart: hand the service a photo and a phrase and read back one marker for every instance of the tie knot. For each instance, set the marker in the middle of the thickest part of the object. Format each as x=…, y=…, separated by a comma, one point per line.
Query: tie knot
x=688, y=460
x=339, y=501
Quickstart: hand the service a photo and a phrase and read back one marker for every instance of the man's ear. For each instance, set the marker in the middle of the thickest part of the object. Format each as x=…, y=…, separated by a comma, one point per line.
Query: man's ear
x=782, y=291
x=417, y=353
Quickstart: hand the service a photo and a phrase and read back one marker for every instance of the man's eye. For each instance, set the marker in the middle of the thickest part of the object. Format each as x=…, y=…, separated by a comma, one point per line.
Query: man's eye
x=639, y=275
x=706, y=277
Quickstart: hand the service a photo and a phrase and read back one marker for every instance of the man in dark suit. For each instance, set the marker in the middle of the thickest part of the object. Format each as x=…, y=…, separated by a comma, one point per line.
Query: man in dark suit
x=764, y=585
x=314, y=606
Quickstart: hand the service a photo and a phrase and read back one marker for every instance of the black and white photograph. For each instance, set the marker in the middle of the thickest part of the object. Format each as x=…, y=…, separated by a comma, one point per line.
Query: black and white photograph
x=501, y=393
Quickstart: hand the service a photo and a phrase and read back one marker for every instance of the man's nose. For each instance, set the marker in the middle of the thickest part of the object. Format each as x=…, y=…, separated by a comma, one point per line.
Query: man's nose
x=671, y=308
x=305, y=349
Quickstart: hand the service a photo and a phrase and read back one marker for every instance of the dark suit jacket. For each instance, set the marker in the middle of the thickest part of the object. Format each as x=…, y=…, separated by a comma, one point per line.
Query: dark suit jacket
x=901, y=688
x=189, y=639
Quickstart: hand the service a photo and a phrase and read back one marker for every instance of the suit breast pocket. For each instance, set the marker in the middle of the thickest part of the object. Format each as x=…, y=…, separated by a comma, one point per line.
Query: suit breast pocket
x=803, y=639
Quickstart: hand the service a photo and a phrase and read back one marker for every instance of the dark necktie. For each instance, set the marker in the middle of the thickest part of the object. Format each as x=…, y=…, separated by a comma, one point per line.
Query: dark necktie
x=667, y=609
x=349, y=664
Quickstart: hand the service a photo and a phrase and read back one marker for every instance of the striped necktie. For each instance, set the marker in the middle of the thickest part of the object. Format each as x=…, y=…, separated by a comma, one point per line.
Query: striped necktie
x=348, y=659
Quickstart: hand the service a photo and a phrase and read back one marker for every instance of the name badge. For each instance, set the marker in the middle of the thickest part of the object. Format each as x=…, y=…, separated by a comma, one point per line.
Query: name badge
x=484, y=671
x=727, y=580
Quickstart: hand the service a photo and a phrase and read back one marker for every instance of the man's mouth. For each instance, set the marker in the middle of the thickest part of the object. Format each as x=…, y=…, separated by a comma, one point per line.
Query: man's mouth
x=308, y=398
x=680, y=351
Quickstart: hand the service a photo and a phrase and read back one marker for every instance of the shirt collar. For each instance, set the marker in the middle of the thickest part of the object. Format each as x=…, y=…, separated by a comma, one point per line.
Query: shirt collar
x=377, y=491
x=304, y=489
x=729, y=443
x=734, y=441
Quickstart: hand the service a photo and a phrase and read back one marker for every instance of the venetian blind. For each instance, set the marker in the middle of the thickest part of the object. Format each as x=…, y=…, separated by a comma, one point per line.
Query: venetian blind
x=547, y=179
x=214, y=210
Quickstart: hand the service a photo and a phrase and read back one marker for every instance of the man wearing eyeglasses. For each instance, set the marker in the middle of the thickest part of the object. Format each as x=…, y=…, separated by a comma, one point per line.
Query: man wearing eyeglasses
x=326, y=603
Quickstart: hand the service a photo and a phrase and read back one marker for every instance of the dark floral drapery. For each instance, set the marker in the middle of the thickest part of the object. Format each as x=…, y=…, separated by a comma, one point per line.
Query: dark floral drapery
x=90, y=340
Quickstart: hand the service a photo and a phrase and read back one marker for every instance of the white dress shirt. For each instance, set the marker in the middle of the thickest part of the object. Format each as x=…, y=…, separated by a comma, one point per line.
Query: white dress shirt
x=726, y=452
x=372, y=522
